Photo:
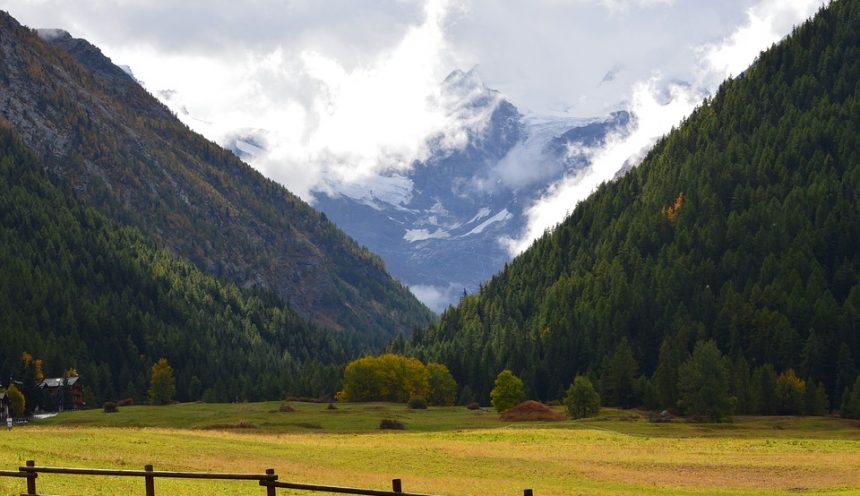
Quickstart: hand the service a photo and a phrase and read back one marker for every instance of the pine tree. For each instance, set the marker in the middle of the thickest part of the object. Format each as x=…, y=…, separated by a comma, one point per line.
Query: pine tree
x=851, y=401
x=704, y=384
x=618, y=380
x=666, y=375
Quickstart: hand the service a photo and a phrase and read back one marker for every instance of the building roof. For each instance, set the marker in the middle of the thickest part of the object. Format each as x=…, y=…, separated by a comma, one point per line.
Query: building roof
x=53, y=382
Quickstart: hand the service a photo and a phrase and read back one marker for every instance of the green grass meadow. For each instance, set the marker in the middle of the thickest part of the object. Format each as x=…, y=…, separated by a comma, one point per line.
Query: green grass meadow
x=447, y=451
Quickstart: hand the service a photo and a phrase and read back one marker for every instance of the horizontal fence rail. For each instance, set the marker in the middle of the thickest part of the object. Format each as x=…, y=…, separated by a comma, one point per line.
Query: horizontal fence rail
x=269, y=480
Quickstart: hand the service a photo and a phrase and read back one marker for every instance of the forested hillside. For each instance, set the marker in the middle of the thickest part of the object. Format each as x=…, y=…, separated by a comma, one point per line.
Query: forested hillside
x=79, y=291
x=124, y=153
x=741, y=226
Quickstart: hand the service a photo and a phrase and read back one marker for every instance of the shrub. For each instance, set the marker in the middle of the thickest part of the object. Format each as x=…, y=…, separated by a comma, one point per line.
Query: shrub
x=391, y=424
x=125, y=402
x=581, y=399
x=331, y=406
x=285, y=408
x=474, y=406
x=509, y=391
x=417, y=402
x=110, y=407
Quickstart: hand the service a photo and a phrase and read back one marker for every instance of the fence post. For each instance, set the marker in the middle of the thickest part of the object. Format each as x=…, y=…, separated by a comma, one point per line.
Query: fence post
x=31, y=478
x=396, y=486
x=527, y=492
x=150, y=481
x=270, y=489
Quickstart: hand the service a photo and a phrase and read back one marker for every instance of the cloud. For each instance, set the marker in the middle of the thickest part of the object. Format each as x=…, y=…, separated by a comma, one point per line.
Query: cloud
x=655, y=113
x=767, y=23
x=659, y=104
x=437, y=298
x=625, y=5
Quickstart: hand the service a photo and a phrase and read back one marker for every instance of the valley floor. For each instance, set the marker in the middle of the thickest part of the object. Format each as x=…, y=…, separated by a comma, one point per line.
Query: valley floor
x=447, y=451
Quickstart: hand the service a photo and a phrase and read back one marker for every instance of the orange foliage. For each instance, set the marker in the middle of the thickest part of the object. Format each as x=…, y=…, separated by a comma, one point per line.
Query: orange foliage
x=671, y=213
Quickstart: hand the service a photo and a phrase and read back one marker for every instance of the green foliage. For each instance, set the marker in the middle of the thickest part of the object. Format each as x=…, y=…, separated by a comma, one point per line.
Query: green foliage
x=81, y=291
x=666, y=375
x=110, y=407
x=815, y=401
x=508, y=392
x=851, y=401
x=581, y=399
x=19, y=402
x=761, y=248
x=442, y=388
x=619, y=378
x=790, y=392
x=387, y=377
x=764, y=390
x=704, y=384
x=162, y=385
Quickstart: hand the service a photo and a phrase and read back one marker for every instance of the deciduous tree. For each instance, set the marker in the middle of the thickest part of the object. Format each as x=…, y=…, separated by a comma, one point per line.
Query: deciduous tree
x=581, y=399
x=509, y=391
x=162, y=385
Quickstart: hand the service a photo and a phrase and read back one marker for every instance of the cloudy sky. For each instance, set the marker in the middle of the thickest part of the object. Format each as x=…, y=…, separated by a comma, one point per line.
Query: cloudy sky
x=339, y=90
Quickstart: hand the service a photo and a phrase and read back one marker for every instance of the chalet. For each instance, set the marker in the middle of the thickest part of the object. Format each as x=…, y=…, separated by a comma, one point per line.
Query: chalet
x=64, y=392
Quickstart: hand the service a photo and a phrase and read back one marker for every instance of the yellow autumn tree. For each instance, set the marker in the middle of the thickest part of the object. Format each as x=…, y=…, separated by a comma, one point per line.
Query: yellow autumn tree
x=670, y=213
x=162, y=385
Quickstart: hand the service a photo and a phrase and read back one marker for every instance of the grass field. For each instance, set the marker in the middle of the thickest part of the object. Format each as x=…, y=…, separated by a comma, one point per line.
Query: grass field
x=449, y=451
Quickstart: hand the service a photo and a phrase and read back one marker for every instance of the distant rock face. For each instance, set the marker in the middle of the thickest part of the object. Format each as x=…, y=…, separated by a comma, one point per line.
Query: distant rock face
x=439, y=226
x=126, y=154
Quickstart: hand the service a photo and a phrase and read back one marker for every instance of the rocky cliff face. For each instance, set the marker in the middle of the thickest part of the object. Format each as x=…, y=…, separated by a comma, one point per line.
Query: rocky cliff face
x=126, y=154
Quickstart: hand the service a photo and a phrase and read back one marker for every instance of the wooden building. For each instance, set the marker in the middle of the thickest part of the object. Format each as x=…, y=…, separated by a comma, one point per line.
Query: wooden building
x=64, y=392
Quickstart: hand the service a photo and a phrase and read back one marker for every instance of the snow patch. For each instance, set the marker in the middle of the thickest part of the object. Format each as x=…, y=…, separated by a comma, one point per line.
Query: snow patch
x=499, y=217
x=480, y=215
x=413, y=235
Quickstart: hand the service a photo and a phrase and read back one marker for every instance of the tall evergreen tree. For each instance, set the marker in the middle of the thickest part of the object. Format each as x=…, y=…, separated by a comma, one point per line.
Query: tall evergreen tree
x=704, y=384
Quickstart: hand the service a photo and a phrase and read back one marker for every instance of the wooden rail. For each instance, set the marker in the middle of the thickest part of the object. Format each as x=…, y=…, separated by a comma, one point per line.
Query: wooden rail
x=269, y=480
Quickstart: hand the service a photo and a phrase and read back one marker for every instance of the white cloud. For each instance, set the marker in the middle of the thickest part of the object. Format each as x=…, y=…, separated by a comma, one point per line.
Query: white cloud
x=654, y=115
x=437, y=298
x=767, y=23
x=658, y=105
x=624, y=5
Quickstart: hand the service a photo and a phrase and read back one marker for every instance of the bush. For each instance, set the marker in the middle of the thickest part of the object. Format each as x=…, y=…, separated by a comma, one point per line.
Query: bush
x=285, y=408
x=509, y=391
x=417, y=402
x=110, y=407
x=331, y=406
x=125, y=402
x=581, y=399
x=474, y=406
x=391, y=424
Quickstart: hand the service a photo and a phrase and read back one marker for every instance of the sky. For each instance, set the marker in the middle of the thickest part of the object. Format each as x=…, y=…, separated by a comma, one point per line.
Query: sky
x=337, y=92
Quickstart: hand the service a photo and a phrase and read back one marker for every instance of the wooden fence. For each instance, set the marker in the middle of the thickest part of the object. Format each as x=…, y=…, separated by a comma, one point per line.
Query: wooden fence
x=269, y=480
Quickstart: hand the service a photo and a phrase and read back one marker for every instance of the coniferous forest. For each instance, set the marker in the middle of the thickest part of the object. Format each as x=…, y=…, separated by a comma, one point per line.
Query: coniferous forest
x=740, y=227
x=81, y=292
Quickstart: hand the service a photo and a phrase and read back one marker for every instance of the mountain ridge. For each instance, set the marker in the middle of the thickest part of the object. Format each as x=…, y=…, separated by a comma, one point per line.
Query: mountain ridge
x=126, y=154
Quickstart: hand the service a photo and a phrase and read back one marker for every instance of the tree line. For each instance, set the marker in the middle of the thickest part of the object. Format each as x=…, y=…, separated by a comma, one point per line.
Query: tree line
x=80, y=291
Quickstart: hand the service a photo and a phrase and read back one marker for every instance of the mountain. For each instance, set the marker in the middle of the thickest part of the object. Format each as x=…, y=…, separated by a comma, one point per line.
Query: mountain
x=440, y=226
x=742, y=226
x=121, y=151
x=80, y=291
